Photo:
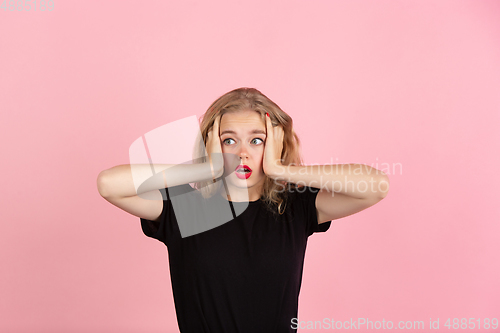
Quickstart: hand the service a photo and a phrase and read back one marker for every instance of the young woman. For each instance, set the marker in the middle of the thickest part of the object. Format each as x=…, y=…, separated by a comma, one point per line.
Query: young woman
x=243, y=272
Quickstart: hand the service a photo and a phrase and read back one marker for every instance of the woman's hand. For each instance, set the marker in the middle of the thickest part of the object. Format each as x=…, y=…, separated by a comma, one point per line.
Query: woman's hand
x=214, y=150
x=273, y=148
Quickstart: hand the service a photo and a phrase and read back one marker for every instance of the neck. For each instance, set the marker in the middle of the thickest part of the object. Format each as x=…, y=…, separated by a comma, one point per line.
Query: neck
x=242, y=194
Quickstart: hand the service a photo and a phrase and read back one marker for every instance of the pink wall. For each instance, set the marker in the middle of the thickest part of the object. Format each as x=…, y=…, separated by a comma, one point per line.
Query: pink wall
x=413, y=85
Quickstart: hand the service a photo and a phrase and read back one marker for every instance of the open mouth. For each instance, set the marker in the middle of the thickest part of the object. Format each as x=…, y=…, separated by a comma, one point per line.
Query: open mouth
x=243, y=171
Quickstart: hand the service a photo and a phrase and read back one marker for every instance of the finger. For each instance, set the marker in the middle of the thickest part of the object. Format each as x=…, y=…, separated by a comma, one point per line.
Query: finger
x=216, y=124
x=269, y=128
x=278, y=130
x=210, y=130
x=282, y=133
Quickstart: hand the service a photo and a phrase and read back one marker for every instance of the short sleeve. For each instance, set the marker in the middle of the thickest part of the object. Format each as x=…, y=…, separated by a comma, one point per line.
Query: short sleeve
x=166, y=225
x=306, y=197
x=156, y=229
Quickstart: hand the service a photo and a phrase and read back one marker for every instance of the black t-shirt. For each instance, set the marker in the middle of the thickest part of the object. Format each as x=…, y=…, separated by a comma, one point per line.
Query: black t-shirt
x=243, y=275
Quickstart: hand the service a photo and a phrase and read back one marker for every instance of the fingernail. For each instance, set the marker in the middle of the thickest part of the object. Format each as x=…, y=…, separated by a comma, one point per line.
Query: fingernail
x=267, y=114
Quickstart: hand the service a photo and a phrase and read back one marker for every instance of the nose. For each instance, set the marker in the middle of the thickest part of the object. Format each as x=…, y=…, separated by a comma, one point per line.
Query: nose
x=243, y=153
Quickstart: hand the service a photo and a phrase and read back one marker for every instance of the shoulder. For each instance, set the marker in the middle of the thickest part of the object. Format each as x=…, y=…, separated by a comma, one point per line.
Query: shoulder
x=303, y=204
x=297, y=199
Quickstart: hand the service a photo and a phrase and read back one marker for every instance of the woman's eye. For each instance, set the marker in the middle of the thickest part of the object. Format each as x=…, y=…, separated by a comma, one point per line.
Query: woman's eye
x=257, y=139
x=227, y=140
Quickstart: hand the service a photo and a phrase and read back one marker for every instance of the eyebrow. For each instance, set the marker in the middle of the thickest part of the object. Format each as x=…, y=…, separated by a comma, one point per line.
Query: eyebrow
x=255, y=131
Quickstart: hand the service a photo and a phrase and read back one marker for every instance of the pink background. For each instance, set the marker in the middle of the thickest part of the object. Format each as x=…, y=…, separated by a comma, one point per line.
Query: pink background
x=410, y=84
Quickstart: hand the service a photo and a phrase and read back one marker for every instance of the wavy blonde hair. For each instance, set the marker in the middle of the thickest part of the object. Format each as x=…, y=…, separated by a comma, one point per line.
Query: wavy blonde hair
x=274, y=193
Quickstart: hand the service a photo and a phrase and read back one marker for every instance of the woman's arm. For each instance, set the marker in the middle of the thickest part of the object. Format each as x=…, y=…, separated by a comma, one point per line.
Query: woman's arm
x=345, y=189
x=135, y=179
x=358, y=181
x=128, y=180
x=117, y=186
x=123, y=185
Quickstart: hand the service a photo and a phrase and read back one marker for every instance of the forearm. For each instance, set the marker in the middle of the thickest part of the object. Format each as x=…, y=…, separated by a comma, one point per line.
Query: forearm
x=128, y=180
x=355, y=180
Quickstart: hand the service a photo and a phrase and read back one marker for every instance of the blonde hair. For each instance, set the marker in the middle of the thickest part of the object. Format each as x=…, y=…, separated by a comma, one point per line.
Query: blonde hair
x=274, y=192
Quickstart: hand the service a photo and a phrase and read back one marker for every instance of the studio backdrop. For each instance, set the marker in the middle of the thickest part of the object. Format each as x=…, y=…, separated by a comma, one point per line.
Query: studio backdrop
x=411, y=88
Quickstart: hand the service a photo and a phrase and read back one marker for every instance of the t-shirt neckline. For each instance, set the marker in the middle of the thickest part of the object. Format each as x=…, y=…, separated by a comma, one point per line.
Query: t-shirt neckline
x=241, y=202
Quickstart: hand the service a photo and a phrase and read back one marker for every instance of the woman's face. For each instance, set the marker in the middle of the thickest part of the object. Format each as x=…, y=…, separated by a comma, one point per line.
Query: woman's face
x=243, y=134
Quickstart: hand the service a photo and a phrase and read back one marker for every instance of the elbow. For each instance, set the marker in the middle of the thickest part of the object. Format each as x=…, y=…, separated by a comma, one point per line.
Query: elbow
x=383, y=186
x=101, y=184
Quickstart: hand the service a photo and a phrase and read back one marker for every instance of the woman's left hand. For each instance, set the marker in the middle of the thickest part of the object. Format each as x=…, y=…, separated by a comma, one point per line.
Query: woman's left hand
x=273, y=148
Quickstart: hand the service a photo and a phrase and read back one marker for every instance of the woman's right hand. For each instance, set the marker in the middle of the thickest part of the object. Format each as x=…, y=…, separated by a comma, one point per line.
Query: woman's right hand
x=214, y=150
